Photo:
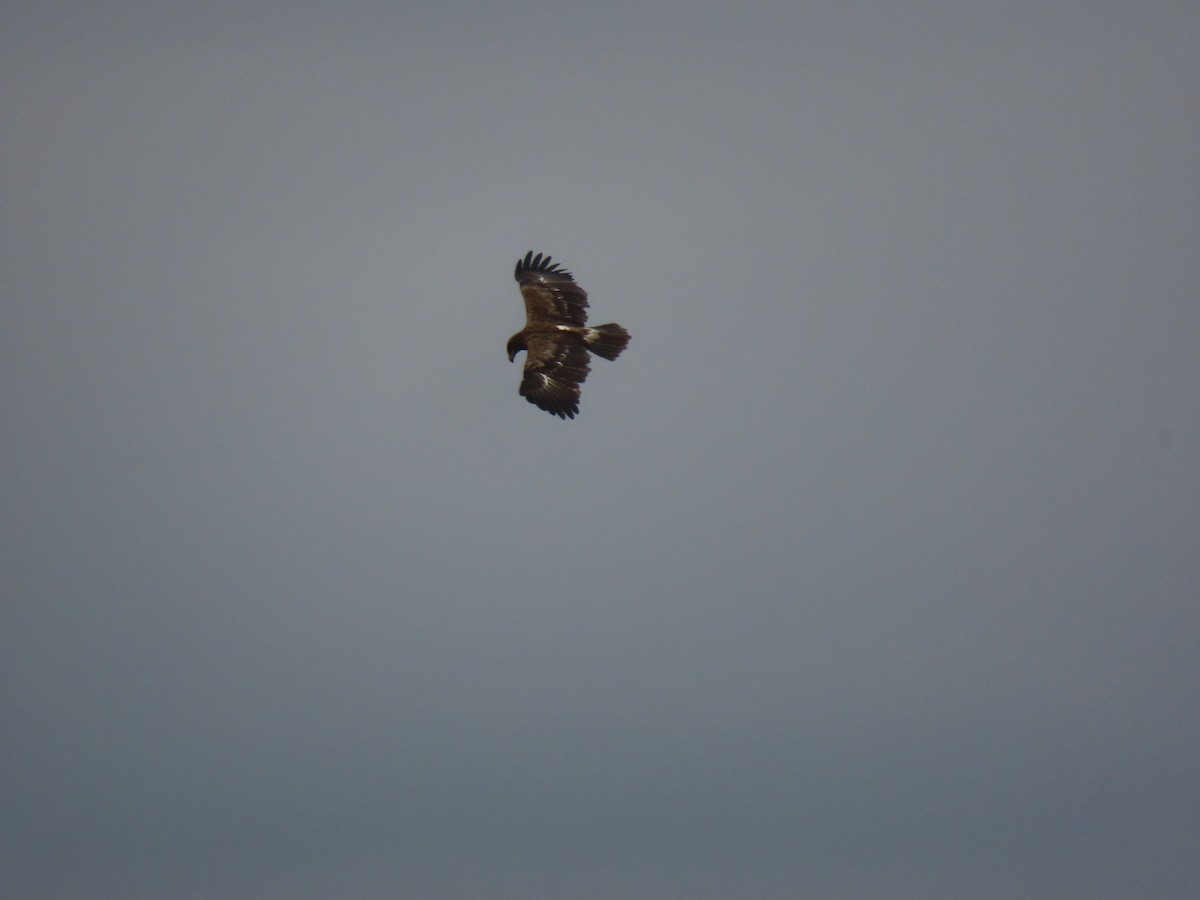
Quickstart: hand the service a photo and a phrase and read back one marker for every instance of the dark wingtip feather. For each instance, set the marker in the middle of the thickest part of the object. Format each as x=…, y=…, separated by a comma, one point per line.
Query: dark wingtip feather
x=540, y=264
x=555, y=406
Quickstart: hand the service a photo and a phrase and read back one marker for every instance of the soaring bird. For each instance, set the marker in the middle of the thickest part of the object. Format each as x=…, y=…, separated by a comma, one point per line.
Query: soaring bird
x=556, y=337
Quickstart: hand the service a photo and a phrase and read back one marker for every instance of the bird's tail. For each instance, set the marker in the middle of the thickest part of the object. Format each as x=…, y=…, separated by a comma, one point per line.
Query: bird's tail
x=606, y=340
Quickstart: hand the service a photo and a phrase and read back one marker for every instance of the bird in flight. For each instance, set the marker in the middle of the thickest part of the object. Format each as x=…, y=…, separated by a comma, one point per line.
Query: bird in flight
x=556, y=337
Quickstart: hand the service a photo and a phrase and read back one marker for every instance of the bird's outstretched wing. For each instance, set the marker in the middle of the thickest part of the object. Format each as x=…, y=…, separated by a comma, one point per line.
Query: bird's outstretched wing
x=555, y=366
x=550, y=292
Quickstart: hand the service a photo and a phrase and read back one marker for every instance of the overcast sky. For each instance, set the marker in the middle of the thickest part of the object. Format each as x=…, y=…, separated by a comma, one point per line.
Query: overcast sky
x=871, y=569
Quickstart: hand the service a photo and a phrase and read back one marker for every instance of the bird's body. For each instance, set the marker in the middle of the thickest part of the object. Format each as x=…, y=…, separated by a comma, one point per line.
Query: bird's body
x=556, y=337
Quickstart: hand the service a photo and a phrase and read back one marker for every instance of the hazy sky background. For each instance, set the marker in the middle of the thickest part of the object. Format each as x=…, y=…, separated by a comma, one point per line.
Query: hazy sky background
x=872, y=568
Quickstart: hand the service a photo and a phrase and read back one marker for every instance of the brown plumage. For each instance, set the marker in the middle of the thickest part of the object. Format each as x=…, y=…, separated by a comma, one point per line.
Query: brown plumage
x=556, y=338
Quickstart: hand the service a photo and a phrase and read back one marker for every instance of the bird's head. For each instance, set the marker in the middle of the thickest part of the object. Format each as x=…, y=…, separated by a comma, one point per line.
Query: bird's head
x=515, y=346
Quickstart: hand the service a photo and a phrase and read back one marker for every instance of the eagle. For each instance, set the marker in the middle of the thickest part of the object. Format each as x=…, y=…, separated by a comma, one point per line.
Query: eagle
x=556, y=337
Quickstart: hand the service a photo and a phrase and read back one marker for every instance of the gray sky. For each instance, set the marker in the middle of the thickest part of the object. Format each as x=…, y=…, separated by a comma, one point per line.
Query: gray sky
x=869, y=570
